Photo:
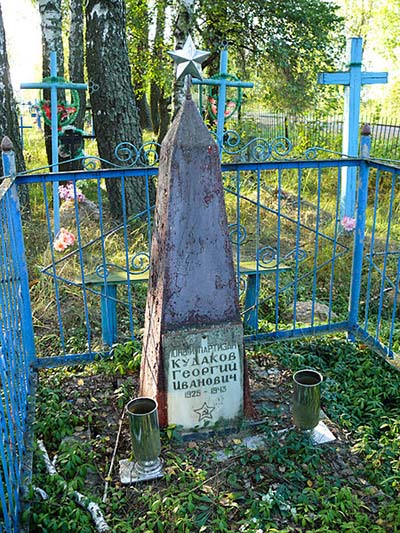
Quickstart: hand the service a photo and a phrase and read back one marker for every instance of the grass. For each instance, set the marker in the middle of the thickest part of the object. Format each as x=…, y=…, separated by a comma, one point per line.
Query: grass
x=352, y=484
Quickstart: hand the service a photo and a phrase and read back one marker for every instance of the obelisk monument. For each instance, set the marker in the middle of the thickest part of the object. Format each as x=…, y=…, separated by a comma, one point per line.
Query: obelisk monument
x=193, y=356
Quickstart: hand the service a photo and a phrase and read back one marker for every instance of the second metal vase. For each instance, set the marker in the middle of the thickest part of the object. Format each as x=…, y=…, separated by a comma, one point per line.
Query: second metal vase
x=145, y=434
x=306, y=399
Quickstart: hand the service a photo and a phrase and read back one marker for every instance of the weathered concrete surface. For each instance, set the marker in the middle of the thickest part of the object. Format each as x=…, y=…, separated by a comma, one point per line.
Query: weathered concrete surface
x=204, y=375
x=192, y=280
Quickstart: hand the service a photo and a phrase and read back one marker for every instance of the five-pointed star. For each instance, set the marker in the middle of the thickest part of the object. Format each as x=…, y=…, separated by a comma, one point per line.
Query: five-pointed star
x=189, y=60
x=204, y=412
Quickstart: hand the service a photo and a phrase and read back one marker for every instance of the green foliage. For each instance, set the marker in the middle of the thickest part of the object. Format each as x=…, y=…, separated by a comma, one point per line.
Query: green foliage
x=286, y=61
x=54, y=418
x=360, y=393
x=289, y=486
x=60, y=512
x=124, y=359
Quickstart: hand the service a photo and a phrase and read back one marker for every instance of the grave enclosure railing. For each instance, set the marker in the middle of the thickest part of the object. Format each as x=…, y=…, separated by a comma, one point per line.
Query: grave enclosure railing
x=17, y=358
x=301, y=270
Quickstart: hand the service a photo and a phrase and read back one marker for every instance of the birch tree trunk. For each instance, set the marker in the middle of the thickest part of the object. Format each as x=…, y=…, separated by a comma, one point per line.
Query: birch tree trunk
x=76, y=64
x=9, y=118
x=50, y=14
x=115, y=113
x=138, y=50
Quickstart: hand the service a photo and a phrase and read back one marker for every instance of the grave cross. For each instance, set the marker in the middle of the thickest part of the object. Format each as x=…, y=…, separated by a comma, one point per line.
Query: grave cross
x=22, y=128
x=54, y=84
x=353, y=80
x=222, y=83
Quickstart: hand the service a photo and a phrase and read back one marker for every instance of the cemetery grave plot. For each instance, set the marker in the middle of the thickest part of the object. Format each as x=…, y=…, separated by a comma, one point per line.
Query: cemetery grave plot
x=265, y=475
x=228, y=483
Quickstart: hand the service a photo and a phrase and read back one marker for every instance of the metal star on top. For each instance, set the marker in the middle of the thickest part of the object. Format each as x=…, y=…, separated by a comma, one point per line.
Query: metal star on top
x=189, y=60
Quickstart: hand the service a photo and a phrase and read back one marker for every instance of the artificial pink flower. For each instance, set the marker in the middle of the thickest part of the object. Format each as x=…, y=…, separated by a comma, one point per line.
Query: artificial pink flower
x=67, y=192
x=59, y=246
x=64, y=239
x=348, y=223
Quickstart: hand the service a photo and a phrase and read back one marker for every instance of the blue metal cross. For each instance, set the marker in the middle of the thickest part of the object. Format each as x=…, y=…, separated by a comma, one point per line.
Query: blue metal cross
x=222, y=83
x=353, y=80
x=54, y=84
x=22, y=128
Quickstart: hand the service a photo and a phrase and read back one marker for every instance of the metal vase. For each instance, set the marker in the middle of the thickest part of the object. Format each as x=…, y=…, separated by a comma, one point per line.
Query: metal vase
x=145, y=433
x=306, y=399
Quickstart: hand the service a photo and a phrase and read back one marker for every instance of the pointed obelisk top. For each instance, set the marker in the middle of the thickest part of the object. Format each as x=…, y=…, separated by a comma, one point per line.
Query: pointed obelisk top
x=199, y=277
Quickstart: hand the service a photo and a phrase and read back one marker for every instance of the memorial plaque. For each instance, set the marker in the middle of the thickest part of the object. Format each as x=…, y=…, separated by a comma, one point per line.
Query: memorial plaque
x=204, y=369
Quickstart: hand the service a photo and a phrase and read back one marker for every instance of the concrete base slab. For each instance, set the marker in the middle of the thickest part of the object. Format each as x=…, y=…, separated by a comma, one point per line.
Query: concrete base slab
x=321, y=434
x=128, y=472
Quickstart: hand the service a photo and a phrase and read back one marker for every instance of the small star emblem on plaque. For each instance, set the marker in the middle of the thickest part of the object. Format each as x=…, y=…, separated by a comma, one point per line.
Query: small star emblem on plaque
x=189, y=60
x=204, y=412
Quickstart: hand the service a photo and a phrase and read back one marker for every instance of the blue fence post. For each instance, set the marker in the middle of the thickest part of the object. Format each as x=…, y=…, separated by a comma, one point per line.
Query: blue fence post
x=109, y=313
x=17, y=242
x=8, y=157
x=358, y=250
x=18, y=249
x=251, y=301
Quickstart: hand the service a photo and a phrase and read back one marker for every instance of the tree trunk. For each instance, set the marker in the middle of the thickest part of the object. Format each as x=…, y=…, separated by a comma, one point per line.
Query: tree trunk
x=76, y=55
x=159, y=103
x=155, y=95
x=115, y=113
x=144, y=111
x=76, y=68
x=165, y=116
x=50, y=13
x=183, y=25
x=9, y=118
x=138, y=52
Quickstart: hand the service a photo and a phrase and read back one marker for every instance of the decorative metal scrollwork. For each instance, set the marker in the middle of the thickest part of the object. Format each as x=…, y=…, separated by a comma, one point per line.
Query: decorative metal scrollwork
x=93, y=87
x=298, y=254
x=281, y=146
x=237, y=233
x=242, y=285
x=140, y=262
x=103, y=270
x=127, y=153
x=91, y=163
x=266, y=255
x=130, y=155
x=257, y=149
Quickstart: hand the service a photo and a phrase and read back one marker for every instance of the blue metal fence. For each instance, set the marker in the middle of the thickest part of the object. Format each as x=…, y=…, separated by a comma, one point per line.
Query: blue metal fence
x=16, y=356
x=376, y=269
x=293, y=256
x=300, y=269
